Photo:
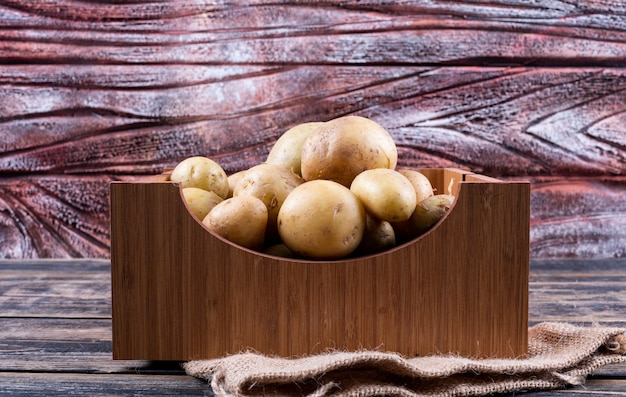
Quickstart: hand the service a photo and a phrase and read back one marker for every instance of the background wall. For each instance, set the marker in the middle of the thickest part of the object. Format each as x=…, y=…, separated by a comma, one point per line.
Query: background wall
x=94, y=92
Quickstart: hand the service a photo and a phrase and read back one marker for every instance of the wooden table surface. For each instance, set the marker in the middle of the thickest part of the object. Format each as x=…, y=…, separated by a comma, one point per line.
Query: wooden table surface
x=55, y=328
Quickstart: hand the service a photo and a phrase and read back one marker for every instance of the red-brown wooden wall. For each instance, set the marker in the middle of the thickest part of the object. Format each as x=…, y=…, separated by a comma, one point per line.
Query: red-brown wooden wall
x=94, y=92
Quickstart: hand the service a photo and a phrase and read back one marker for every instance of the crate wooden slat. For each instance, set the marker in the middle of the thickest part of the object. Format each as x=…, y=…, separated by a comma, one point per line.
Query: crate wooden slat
x=181, y=293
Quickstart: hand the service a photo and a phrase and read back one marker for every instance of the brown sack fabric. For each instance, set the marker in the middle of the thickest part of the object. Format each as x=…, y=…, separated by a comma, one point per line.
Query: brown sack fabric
x=559, y=355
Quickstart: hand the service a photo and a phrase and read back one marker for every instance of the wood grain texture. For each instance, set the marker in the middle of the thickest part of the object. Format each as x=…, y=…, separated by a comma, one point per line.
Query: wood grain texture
x=578, y=217
x=174, y=284
x=101, y=385
x=100, y=92
x=55, y=289
x=344, y=32
x=55, y=349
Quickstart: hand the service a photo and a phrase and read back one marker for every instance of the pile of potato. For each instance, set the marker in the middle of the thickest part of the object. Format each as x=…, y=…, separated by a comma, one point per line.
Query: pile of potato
x=328, y=190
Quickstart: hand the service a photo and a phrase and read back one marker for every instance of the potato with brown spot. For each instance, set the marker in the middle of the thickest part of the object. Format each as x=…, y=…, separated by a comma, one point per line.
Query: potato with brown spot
x=342, y=148
x=422, y=185
x=233, y=180
x=287, y=150
x=385, y=193
x=428, y=212
x=271, y=184
x=203, y=173
x=241, y=220
x=321, y=220
x=200, y=202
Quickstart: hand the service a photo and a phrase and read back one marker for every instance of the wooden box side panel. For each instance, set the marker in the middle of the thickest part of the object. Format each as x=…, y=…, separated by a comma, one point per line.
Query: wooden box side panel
x=202, y=297
x=145, y=286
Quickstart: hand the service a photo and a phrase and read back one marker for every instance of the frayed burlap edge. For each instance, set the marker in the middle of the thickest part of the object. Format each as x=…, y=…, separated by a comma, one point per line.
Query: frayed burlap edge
x=559, y=355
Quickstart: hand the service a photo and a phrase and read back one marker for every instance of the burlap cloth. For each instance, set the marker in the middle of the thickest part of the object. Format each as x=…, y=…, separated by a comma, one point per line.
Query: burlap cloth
x=559, y=355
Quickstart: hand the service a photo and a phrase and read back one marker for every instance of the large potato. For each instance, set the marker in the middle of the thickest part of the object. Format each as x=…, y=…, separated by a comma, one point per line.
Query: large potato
x=271, y=184
x=321, y=220
x=422, y=185
x=385, y=193
x=203, y=173
x=200, y=202
x=342, y=148
x=287, y=150
x=241, y=220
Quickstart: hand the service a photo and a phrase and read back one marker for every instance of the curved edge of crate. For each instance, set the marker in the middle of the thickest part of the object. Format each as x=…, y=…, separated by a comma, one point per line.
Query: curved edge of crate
x=181, y=293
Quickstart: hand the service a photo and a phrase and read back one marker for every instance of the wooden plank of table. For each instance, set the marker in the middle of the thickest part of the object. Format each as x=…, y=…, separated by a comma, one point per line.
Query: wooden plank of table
x=593, y=387
x=59, y=343
x=63, y=384
x=579, y=291
x=55, y=288
x=99, y=385
x=62, y=345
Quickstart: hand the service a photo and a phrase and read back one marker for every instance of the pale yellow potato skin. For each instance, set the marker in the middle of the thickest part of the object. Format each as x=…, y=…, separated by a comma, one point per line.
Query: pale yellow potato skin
x=233, y=180
x=203, y=173
x=200, y=202
x=322, y=220
x=342, y=148
x=241, y=220
x=271, y=184
x=287, y=150
x=422, y=185
x=386, y=194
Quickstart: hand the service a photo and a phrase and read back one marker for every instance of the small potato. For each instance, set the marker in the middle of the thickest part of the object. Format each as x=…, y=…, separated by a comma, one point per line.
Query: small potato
x=428, y=212
x=421, y=184
x=402, y=231
x=271, y=184
x=287, y=151
x=379, y=236
x=321, y=220
x=233, y=180
x=203, y=173
x=241, y=220
x=280, y=250
x=200, y=202
x=342, y=148
x=385, y=193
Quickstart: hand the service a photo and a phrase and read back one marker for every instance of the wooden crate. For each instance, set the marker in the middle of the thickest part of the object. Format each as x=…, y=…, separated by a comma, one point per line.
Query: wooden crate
x=181, y=293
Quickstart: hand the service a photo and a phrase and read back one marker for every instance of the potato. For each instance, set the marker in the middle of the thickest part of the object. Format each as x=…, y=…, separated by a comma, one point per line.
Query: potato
x=271, y=184
x=421, y=184
x=402, y=231
x=385, y=193
x=342, y=148
x=203, y=173
x=428, y=212
x=287, y=151
x=200, y=201
x=241, y=220
x=233, y=180
x=321, y=220
x=279, y=250
x=378, y=236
